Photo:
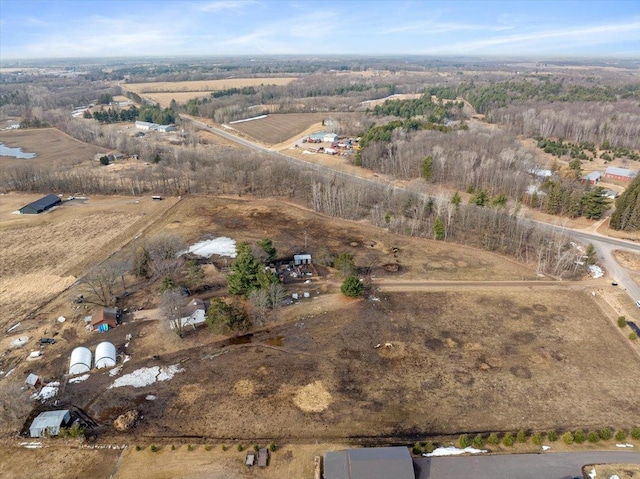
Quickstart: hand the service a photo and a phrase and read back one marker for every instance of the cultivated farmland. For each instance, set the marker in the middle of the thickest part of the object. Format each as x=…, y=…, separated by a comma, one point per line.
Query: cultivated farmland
x=278, y=128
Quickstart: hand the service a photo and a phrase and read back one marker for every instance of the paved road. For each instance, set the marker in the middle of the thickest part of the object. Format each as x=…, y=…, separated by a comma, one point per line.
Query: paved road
x=548, y=465
x=604, y=245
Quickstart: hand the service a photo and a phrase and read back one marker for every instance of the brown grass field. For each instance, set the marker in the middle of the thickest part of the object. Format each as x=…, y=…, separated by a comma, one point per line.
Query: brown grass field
x=472, y=357
x=277, y=128
x=206, y=85
x=51, y=146
x=164, y=99
x=41, y=255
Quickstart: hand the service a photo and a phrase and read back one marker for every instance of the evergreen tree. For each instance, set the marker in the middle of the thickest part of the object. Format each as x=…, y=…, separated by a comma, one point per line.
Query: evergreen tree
x=267, y=246
x=426, y=171
x=626, y=217
x=438, y=229
x=456, y=200
x=595, y=203
x=352, y=287
x=244, y=272
x=480, y=198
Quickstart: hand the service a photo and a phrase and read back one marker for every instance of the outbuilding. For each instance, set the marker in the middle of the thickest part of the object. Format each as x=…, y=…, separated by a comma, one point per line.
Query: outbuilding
x=299, y=259
x=43, y=204
x=592, y=178
x=105, y=316
x=623, y=174
x=196, y=311
x=33, y=381
x=49, y=423
x=369, y=463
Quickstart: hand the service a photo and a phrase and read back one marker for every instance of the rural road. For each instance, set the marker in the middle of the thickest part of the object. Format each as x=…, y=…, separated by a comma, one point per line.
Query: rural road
x=557, y=465
x=400, y=285
x=603, y=245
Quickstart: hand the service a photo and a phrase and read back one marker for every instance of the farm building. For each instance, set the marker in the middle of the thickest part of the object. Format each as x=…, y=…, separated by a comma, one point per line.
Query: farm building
x=623, y=174
x=299, y=259
x=541, y=172
x=592, y=178
x=80, y=361
x=369, y=463
x=41, y=205
x=197, y=314
x=105, y=317
x=323, y=136
x=49, y=423
x=33, y=381
x=147, y=126
x=105, y=355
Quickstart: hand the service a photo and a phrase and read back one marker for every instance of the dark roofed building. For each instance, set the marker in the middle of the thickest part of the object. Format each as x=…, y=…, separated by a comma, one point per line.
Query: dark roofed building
x=107, y=316
x=38, y=206
x=369, y=463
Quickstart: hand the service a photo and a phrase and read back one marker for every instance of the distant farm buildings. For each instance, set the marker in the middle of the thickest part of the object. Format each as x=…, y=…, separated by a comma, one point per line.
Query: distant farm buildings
x=623, y=174
x=49, y=423
x=41, y=205
x=592, y=178
x=322, y=137
x=147, y=126
x=369, y=463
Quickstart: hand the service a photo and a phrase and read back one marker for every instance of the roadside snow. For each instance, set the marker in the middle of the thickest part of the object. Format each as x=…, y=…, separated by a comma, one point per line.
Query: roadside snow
x=221, y=246
x=47, y=392
x=624, y=445
x=453, y=451
x=146, y=376
x=593, y=473
x=31, y=445
x=79, y=379
x=249, y=119
x=546, y=448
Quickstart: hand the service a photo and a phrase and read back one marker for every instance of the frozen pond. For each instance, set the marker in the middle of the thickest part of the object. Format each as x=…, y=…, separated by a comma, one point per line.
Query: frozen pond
x=15, y=152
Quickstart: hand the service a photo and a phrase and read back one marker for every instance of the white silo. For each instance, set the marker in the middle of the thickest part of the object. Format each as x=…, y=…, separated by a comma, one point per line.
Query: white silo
x=80, y=361
x=105, y=355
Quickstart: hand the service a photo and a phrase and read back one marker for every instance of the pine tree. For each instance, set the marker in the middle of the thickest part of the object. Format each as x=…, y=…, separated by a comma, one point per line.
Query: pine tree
x=595, y=203
x=244, y=272
x=626, y=217
x=438, y=229
x=426, y=171
x=456, y=200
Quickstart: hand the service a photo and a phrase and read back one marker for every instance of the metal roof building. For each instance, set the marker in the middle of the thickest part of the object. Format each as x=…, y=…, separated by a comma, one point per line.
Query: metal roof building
x=49, y=423
x=369, y=463
x=38, y=206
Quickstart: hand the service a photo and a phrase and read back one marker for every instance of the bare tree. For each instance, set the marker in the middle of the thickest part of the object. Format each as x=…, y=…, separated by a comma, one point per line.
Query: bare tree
x=163, y=250
x=101, y=283
x=259, y=299
x=173, y=305
x=277, y=293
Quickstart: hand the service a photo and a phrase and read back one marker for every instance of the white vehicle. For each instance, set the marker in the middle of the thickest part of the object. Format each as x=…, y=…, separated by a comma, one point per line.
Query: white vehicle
x=638, y=303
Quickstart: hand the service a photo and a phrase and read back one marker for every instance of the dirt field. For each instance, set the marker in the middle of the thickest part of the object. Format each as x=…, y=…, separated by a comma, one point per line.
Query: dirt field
x=51, y=146
x=278, y=128
x=41, y=255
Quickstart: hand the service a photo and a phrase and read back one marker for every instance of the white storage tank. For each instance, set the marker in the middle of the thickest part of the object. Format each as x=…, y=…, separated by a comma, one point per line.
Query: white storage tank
x=105, y=355
x=80, y=361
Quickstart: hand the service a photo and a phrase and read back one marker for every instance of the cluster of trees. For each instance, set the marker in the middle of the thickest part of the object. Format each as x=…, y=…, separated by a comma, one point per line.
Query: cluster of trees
x=247, y=90
x=114, y=115
x=435, y=112
x=626, y=217
x=105, y=99
x=560, y=148
x=570, y=198
x=156, y=114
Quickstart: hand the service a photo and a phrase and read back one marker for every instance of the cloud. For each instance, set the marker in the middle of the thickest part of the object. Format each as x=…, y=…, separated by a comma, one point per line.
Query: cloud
x=223, y=5
x=430, y=28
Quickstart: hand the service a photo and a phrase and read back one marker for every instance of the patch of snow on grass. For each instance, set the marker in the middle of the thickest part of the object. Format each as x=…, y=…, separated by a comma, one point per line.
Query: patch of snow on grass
x=115, y=371
x=19, y=342
x=249, y=119
x=47, y=392
x=221, y=246
x=146, y=376
x=596, y=271
x=9, y=372
x=31, y=445
x=624, y=445
x=593, y=473
x=546, y=448
x=453, y=451
x=615, y=476
x=79, y=379
x=150, y=397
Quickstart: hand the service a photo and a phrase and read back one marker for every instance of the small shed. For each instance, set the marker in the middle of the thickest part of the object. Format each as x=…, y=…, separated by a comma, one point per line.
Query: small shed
x=299, y=259
x=43, y=204
x=80, y=361
x=49, y=423
x=251, y=459
x=592, y=178
x=263, y=457
x=108, y=316
x=105, y=355
x=33, y=381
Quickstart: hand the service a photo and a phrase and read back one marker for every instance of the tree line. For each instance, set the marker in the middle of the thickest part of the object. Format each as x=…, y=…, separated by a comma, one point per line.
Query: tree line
x=626, y=217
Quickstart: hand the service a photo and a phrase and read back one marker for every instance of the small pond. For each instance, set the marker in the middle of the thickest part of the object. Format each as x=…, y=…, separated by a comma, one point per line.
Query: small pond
x=15, y=152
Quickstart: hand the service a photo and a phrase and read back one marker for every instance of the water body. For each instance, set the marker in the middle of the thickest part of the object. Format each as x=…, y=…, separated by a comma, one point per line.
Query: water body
x=15, y=152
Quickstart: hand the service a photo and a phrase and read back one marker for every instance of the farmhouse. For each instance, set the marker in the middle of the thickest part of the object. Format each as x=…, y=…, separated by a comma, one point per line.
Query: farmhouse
x=623, y=174
x=196, y=314
x=147, y=126
x=41, y=205
x=369, y=463
x=48, y=423
x=105, y=317
x=592, y=178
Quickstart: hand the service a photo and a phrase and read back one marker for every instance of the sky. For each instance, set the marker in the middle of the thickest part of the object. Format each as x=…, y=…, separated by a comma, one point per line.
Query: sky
x=92, y=28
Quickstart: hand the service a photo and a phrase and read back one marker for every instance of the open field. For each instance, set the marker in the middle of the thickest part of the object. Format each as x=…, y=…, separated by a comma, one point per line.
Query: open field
x=41, y=255
x=52, y=148
x=277, y=128
x=164, y=99
x=205, y=85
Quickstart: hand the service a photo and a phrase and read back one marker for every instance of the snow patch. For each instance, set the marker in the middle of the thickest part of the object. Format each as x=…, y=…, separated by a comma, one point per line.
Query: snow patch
x=79, y=379
x=546, y=448
x=151, y=397
x=453, y=451
x=249, y=119
x=61, y=319
x=624, y=445
x=9, y=372
x=146, y=376
x=615, y=476
x=19, y=342
x=593, y=473
x=596, y=271
x=47, y=392
x=31, y=445
x=222, y=246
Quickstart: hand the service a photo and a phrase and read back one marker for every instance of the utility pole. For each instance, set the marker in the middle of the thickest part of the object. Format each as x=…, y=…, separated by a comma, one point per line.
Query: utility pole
x=305, y=241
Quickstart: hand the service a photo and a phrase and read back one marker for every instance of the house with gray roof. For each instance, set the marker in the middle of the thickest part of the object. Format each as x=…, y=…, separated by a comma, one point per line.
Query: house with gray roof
x=369, y=463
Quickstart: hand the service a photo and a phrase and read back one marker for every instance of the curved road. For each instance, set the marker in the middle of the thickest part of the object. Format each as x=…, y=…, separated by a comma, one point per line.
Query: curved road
x=548, y=465
x=603, y=245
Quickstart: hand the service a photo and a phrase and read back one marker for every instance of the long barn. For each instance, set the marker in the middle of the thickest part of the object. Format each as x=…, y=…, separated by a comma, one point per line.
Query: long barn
x=41, y=205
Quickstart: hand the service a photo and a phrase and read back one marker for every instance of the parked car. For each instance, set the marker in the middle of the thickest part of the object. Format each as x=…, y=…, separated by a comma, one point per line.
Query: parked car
x=638, y=303
x=47, y=341
x=614, y=283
